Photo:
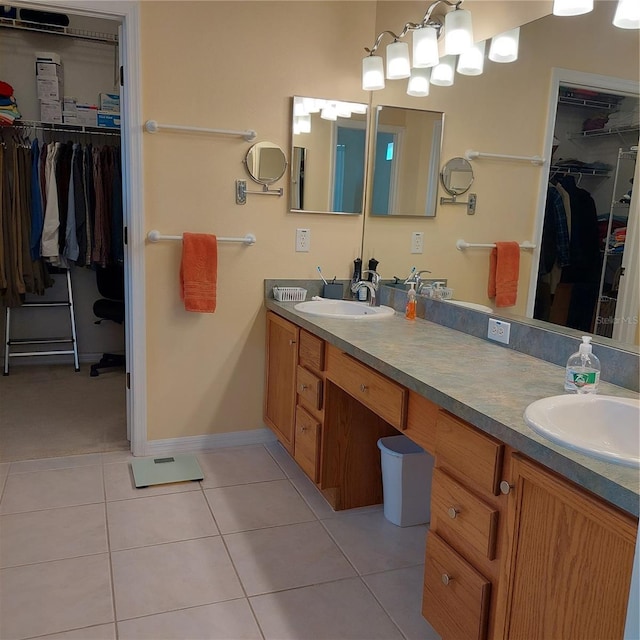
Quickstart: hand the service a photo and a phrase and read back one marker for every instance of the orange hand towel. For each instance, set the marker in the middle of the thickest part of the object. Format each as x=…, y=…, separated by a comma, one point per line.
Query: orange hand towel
x=199, y=272
x=504, y=270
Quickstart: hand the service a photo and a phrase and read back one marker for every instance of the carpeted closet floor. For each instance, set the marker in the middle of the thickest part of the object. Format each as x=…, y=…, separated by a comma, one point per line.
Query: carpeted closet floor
x=50, y=410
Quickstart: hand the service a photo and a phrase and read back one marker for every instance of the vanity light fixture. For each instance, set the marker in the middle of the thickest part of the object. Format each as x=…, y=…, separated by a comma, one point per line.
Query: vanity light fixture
x=471, y=61
x=443, y=74
x=458, y=36
x=418, y=85
x=572, y=7
x=504, y=46
x=329, y=111
x=627, y=14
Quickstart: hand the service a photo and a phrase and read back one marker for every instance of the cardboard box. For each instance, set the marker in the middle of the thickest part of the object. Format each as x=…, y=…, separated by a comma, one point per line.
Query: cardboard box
x=87, y=114
x=49, y=70
x=51, y=111
x=48, y=56
x=70, y=105
x=70, y=117
x=49, y=89
x=108, y=119
x=110, y=102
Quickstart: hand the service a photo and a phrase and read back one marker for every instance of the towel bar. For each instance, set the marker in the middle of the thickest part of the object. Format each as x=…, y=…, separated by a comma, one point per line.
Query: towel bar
x=155, y=236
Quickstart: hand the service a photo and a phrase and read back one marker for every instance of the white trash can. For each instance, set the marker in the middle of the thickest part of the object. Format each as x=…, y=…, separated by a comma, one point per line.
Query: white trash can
x=406, y=481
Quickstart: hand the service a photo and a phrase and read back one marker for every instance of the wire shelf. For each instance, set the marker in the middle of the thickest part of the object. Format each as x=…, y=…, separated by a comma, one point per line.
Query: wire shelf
x=82, y=34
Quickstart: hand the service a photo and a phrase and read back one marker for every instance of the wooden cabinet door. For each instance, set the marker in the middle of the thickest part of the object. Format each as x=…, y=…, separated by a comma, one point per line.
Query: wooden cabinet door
x=570, y=562
x=280, y=383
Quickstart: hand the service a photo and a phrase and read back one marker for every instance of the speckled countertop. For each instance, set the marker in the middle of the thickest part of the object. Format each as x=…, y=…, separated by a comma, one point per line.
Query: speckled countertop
x=480, y=382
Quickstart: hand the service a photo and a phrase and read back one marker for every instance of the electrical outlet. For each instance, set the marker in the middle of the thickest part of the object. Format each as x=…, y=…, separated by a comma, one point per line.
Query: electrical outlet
x=417, y=242
x=499, y=330
x=303, y=240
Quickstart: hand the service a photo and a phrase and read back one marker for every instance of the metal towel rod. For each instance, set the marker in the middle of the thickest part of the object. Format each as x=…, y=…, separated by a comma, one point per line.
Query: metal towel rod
x=470, y=154
x=152, y=126
x=155, y=236
x=461, y=245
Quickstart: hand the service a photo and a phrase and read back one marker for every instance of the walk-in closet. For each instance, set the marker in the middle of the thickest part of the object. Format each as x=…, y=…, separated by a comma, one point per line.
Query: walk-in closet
x=587, y=210
x=62, y=245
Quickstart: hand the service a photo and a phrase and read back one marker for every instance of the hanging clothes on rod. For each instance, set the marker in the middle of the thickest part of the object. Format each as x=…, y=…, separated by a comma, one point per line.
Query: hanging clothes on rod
x=61, y=206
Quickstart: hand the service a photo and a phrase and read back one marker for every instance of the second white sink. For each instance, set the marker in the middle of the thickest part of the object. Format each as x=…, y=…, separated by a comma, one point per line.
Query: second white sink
x=344, y=309
x=603, y=427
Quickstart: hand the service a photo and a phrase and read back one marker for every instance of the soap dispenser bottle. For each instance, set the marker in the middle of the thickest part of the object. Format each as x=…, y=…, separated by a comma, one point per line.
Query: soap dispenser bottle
x=410, y=310
x=583, y=370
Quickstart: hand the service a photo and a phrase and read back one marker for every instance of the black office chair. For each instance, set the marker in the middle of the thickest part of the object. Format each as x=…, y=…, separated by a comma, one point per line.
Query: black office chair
x=110, y=281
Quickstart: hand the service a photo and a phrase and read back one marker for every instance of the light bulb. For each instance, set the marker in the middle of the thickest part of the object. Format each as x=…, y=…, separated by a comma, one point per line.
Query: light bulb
x=627, y=14
x=425, y=48
x=504, y=46
x=372, y=73
x=442, y=74
x=572, y=7
x=418, y=85
x=471, y=62
x=398, y=64
x=458, y=33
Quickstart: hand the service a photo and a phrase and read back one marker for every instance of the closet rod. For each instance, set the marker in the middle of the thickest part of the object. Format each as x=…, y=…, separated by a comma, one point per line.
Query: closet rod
x=461, y=245
x=64, y=128
x=152, y=126
x=470, y=154
x=155, y=236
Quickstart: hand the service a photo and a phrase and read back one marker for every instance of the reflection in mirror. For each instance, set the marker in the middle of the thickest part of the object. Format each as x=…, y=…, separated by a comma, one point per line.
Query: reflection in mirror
x=406, y=161
x=457, y=176
x=266, y=162
x=328, y=155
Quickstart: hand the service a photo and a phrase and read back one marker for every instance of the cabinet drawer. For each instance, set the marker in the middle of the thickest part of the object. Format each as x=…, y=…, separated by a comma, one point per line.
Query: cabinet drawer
x=383, y=396
x=468, y=454
x=455, y=599
x=307, y=443
x=311, y=351
x=309, y=388
x=457, y=514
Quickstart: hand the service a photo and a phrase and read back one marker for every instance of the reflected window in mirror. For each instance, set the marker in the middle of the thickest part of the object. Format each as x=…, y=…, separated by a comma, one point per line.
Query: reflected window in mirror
x=406, y=161
x=328, y=156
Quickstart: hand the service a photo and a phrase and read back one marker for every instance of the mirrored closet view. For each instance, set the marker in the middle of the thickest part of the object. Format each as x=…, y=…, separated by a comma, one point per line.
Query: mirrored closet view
x=63, y=389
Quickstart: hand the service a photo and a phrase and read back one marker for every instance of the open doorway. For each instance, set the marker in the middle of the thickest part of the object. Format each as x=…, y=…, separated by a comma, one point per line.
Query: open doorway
x=49, y=407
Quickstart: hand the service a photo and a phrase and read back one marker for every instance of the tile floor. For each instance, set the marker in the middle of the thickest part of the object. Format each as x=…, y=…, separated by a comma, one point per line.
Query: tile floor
x=253, y=551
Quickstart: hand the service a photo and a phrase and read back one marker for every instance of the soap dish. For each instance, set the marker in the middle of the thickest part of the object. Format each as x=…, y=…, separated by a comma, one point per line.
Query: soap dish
x=289, y=294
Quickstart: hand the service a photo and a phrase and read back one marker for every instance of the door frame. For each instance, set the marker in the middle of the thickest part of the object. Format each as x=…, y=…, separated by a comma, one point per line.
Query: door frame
x=579, y=79
x=128, y=13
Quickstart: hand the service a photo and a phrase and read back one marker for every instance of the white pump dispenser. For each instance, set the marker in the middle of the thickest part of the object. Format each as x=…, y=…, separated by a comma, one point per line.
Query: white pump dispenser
x=583, y=369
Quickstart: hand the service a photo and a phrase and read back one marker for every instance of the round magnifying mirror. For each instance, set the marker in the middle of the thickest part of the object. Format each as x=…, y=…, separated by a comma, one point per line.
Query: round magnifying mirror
x=266, y=162
x=457, y=176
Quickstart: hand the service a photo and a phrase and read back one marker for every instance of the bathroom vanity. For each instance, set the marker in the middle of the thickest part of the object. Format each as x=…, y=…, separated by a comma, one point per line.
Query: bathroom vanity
x=527, y=539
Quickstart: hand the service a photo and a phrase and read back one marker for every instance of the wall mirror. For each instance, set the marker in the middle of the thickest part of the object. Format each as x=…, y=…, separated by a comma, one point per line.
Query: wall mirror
x=506, y=110
x=406, y=158
x=328, y=156
x=265, y=162
x=457, y=176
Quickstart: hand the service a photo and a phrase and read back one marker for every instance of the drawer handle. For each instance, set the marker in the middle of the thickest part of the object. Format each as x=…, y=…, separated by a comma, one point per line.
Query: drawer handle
x=303, y=429
x=363, y=388
x=304, y=387
x=292, y=342
x=505, y=487
x=453, y=512
x=446, y=579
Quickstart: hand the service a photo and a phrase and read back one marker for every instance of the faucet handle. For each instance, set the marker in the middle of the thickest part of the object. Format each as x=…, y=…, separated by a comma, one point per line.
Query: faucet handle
x=375, y=276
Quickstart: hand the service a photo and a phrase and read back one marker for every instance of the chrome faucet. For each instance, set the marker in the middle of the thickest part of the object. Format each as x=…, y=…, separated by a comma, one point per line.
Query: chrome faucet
x=414, y=277
x=374, y=301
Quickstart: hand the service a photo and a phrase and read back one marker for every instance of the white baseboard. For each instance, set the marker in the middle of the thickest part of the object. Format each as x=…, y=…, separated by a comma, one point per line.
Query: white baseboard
x=209, y=441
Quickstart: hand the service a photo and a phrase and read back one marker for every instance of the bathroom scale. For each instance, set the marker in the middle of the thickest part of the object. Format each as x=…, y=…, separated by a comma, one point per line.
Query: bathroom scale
x=166, y=469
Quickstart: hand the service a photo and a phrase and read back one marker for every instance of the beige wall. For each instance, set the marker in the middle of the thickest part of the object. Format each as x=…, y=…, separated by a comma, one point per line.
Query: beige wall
x=502, y=111
x=237, y=65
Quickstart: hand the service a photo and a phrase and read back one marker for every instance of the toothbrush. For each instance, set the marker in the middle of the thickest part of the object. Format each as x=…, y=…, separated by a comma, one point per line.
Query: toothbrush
x=320, y=272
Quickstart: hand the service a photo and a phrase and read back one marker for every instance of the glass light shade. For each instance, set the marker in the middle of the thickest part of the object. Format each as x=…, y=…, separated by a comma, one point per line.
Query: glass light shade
x=425, y=48
x=398, y=64
x=504, y=46
x=418, y=85
x=442, y=74
x=358, y=107
x=471, y=62
x=310, y=105
x=304, y=124
x=372, y=73
x=458, y=33
x=329, y=111
x=627, y=14
x=571, y=7
x=296, y=126
x=299, y=107
x=343, y=110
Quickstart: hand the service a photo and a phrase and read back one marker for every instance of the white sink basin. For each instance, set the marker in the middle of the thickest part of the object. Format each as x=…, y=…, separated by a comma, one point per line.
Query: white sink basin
x=471, y=305
x=603, y=427
x=344, y=309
